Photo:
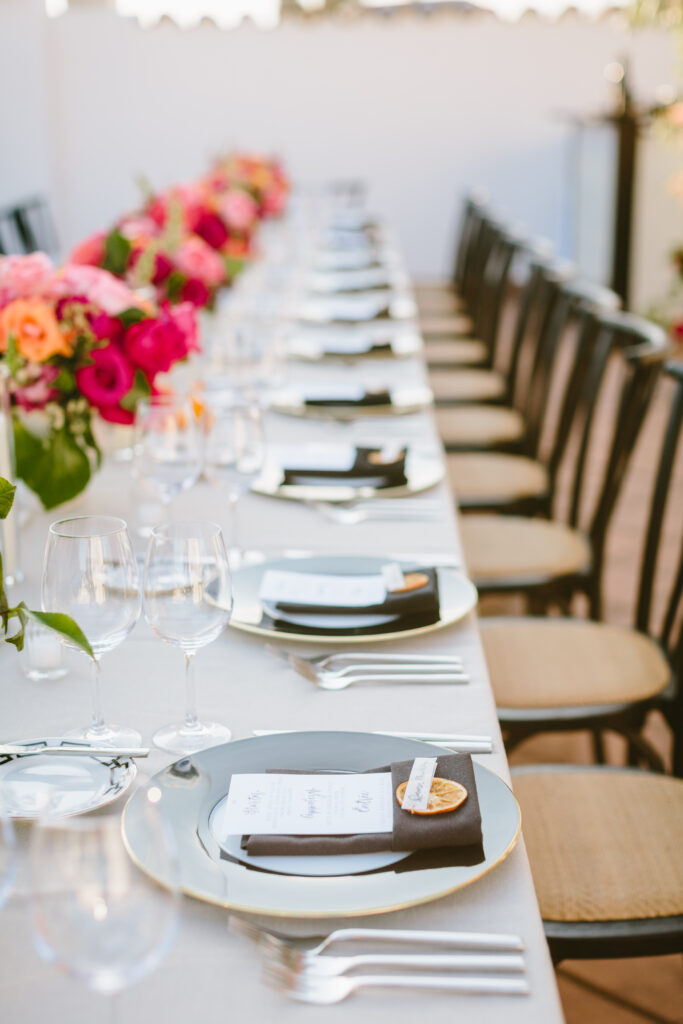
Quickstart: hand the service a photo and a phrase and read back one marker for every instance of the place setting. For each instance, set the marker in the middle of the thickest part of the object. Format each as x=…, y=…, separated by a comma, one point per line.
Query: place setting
x=368, y=341
x=348, y=402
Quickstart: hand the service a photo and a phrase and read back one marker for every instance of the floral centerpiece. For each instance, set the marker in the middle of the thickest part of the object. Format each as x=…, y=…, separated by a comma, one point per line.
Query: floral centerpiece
x=77, y=341
x=262, y=178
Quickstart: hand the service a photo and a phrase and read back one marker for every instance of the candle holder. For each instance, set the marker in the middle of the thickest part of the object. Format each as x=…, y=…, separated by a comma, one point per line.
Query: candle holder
x=43, y=655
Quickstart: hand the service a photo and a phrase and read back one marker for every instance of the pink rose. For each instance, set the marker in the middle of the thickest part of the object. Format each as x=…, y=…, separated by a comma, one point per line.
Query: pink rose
x=107, y=379
x=195, y=292
x=90, y=250
x=194, y=258
x=38, y=392
x=211, y=228
x=238, y=209
x=24, y=277
x=155, y=345
x=138, y=227
x=273, y=202
x=107, y=327
x=184, y=316
x=97, y=285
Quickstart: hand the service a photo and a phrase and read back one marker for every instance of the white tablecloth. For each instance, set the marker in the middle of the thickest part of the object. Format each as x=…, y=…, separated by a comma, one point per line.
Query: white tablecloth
x=211, y=974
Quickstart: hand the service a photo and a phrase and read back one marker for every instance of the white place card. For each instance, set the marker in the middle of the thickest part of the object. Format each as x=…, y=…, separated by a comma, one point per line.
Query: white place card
x=344, y=393
x=337, y=457
x=308, y=804
x=305, y=588
x=416, y=795
x=350, y=344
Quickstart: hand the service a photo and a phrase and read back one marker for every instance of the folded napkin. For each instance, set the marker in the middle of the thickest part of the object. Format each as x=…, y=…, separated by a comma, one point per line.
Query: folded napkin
x=411, y=832
x=369, y=398
x=373, y=349
x=363, y=473
x=422, y=602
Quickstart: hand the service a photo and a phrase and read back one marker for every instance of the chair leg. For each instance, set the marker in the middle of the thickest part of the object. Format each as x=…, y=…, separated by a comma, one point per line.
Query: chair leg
x=598, y=746
x=640, y=750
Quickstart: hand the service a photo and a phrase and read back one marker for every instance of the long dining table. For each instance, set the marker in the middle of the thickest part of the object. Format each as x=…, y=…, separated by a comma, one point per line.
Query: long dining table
x=212, y=973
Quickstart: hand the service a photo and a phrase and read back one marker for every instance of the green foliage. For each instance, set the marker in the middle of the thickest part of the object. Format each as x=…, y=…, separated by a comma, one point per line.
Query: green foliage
x=56, y=467
x=131, y=316
x=175, y=283
x=140, y=389
x=62, y=624
x=117, y=251
x=12, y=358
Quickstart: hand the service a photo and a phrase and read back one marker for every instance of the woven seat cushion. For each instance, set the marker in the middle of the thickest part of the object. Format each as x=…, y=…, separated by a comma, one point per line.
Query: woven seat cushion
x=604, y=845
x=491, y=476
x=479, y=425
x=509, y=548
x=550, y=663
x=437, y=298
x=445, y=325
x=458, y=351
x=466, y=385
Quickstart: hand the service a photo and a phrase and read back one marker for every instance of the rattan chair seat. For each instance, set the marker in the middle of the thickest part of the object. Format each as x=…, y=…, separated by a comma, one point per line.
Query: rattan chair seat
x=508, y=549
x=455, y=351
x=467, y=385
x=479, y=425
x=604, y=845
x=551, y=663
x=439, y=298
x=445, y=325
x=492, y=476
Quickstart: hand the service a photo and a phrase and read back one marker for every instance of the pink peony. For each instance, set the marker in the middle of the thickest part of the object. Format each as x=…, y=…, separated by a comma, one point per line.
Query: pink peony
x=155, y=345
x=194, y=258
x=97, y=285
x=107, y=379
x=238, y=209
x=211, y=228
x=39, y=391
x=90, y=251
x=24, y=277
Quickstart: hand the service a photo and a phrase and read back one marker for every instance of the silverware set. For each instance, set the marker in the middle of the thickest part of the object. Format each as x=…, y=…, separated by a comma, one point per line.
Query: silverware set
x=387, y=509
x=464, y=743
x=338, y=671
x=478, y=963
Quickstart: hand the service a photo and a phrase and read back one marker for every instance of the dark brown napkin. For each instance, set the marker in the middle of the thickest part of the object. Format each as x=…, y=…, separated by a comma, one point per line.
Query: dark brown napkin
x=424, y=601
x=411, y=832
x=363, y=472
x=373, y=349
x=369, y=398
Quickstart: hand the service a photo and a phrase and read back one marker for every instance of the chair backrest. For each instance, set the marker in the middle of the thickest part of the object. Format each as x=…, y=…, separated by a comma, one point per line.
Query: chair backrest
x=473, y=209
x=504, y=246
x=639, y=348
x=27, y=227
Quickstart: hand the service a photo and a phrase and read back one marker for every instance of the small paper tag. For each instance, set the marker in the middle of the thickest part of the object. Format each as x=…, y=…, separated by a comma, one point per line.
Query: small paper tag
x=416, y=796
x=393, y=577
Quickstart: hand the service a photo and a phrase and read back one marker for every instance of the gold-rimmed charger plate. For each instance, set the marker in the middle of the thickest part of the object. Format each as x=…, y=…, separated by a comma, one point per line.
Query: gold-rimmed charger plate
x=403, y=402
x=457, y=597
x=193, y=786
x=424, y=469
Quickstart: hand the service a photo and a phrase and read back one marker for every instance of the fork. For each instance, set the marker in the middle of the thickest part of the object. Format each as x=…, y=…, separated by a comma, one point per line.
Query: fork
x=335, y=966
x=349, y=516
x=325, y=991
x=328, y=661
x=377, y=671
x=312, y=946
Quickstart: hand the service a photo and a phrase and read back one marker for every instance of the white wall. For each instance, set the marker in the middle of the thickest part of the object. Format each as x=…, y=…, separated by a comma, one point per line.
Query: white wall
x=422, y=107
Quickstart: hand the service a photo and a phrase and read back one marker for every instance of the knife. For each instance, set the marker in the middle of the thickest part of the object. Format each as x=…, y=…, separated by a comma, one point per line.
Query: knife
x=17, y=750
x=464, y=744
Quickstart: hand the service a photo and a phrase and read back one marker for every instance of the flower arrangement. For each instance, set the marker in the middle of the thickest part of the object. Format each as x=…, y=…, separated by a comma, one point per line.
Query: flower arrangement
x=77, y=340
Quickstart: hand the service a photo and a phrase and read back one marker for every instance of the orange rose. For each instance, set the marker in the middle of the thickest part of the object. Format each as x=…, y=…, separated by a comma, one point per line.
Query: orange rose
x=35, y=328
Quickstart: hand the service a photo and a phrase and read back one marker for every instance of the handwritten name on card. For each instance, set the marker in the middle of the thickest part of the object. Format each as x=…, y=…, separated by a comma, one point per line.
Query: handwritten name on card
x=308, y=804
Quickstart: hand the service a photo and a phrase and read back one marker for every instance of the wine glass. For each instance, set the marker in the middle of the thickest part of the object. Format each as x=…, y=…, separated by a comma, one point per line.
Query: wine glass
x=8, y=854
x=168, y=446
x=90, y=573
x=234, y=452
x=187, y=600
x=94, y=913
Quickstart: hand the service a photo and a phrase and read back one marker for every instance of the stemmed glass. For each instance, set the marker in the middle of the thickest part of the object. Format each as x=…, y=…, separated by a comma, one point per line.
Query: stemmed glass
x=90, y=573
x=234, y=453
x=168, y=446
x=95, y=915
x=187, y=601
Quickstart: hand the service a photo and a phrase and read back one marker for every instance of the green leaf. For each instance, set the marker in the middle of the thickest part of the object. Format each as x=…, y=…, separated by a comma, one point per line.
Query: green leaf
x=12, y=358
x=65, y=380
x=7, y=492
x=233, y=267
x=117, y=251
x=174, y=284
x=56, y=468
x=131, y=316
x=140, y=389
x=62, y=624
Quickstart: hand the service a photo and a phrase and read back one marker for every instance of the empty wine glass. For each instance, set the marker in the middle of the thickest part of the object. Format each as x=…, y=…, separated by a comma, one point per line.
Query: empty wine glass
x=168, y=446
x=187, y=601
x=95, y=915
x=8, y=853
x=234, y=453
x=90, y=573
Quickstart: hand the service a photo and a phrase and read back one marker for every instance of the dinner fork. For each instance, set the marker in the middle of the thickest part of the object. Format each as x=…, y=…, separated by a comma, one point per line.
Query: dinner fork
x=349, y=659
x=336, y=966
x=349, y=516
x=325, y=991
x=378, y=672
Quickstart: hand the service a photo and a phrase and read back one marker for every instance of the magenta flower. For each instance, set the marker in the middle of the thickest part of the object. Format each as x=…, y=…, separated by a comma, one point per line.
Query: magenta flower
x=211, y=228
x=39, y=391
x=196, y=292
x=107, y=379
x=155, y=345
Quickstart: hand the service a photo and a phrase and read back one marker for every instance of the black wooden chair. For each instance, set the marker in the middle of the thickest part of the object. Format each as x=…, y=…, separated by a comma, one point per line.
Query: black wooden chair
x=556, y=674
x=549, y=560
x=27, y=227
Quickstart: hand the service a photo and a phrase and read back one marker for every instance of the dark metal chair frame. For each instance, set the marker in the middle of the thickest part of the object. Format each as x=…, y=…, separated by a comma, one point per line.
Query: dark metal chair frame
x=27, y=227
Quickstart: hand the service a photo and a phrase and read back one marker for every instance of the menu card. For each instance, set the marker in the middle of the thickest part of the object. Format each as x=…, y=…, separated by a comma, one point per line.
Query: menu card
x=308, y=804
x=314, y=589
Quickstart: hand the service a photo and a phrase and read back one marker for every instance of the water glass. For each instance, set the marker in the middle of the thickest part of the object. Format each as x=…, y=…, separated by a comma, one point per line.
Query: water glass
x=168, y=445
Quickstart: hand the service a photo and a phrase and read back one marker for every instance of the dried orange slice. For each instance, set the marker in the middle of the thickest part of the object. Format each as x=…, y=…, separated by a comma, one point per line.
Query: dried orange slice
x=444, y=795
x=380, y=459
x=412, y=581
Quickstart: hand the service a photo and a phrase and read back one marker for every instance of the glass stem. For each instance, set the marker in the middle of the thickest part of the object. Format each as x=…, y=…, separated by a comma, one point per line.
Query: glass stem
x=191, y=720
x=234, y=542
x=114, y=1008
x=97, y=719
